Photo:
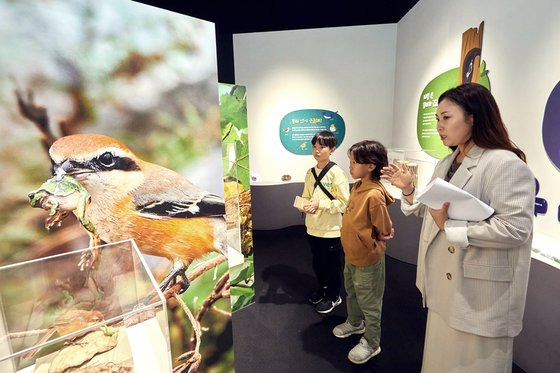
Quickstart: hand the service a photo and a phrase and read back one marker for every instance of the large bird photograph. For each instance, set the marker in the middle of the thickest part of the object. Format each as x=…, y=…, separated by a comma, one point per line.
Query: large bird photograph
x=110, y=132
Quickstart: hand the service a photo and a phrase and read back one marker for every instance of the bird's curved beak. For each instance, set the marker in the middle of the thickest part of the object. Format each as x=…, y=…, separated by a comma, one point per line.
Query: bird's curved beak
x=60, y=170
x=68, y=168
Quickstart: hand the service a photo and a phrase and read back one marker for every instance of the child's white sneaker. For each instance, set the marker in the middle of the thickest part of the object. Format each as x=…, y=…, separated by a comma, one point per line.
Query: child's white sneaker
x=362, y=352
x=346, y=329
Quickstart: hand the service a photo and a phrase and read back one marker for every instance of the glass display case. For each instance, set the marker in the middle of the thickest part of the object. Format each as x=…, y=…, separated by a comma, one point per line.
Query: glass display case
x=420, y=164
x=85, y=310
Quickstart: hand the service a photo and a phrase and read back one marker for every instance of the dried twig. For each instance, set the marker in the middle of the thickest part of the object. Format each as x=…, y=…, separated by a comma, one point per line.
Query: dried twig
x=27, y=333
x=221, y=285
x=194, y=274
x=36, y=114
x=205, y=266
x=193, y=357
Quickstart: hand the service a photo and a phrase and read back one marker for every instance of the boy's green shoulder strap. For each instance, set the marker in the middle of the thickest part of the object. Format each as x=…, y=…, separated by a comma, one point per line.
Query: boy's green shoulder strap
x=320, y=176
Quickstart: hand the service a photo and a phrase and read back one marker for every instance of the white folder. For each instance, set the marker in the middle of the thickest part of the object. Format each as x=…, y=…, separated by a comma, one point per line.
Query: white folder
x=462, y=205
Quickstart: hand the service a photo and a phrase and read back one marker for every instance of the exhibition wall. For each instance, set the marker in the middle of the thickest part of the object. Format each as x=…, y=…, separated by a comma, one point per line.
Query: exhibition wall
x=349, y=70
x=521, y=52
x=320, y=68
x=520, y=47
x=283, y=72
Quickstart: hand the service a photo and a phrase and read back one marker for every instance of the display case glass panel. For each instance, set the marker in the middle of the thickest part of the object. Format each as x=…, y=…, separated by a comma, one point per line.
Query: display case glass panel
x=420, y=164
x=89, y=308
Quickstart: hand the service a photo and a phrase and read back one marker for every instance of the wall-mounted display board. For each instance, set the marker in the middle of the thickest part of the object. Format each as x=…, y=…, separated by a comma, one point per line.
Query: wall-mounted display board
x=470, y=70
x=426, y=129
x=551, y=142
x=470, y=54
x=551, y=127
x=297, y=128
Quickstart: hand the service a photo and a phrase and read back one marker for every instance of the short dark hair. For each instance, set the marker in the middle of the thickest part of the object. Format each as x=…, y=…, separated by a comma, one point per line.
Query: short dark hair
x=489, y=130
x=370, y=152
x=325, y=138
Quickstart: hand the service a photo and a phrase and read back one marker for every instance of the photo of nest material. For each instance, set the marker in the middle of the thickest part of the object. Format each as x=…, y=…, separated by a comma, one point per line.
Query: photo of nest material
x=237, y=187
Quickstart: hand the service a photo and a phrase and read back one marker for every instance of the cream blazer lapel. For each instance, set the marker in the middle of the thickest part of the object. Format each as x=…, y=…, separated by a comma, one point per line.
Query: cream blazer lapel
x=464, y=172
x=459, y=179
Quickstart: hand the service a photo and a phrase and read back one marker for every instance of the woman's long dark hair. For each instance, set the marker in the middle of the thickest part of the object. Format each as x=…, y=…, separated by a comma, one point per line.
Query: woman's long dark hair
x=488, y=130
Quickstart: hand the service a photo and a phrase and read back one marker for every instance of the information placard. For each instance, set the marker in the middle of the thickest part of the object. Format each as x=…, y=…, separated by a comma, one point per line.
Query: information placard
x=426, y=125
x=297, y=128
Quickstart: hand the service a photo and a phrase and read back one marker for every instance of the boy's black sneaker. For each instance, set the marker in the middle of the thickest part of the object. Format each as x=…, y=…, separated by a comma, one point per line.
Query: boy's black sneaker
x=326, y=305
x=317, y=296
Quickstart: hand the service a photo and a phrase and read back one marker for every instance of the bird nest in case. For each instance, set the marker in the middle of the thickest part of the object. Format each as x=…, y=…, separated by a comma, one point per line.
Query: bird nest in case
x=57, y=315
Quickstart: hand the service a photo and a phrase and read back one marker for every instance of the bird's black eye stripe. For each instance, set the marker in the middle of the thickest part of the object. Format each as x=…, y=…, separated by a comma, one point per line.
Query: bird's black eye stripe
x=109, y=161
x=100, y=163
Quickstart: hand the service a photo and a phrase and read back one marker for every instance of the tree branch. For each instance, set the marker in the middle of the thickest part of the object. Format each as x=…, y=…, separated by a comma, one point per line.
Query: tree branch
x=205, y=266
x=193, y=357
x=221, y=285
x=36, y=114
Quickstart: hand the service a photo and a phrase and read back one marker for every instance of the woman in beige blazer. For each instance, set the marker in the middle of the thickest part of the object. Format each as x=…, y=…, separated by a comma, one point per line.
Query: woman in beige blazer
x=473, y=274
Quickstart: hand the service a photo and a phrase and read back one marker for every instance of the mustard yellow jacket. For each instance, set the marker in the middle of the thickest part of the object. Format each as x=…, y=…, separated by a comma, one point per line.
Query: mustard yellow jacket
x=366, y=216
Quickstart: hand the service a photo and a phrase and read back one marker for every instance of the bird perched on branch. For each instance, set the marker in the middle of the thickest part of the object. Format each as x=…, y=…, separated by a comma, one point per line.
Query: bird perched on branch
x=163, y=212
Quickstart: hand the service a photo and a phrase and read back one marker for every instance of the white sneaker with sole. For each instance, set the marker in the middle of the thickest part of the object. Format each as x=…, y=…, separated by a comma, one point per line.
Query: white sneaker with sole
x=346, y=329
x=362, y=352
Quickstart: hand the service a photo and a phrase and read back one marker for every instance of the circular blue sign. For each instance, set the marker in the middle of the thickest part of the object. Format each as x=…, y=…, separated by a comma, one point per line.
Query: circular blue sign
x=297, y=128
x=551, y=126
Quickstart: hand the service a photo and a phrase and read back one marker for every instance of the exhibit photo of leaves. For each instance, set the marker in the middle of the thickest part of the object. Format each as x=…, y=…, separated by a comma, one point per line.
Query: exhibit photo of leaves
x=235, y=163
x=127, y=93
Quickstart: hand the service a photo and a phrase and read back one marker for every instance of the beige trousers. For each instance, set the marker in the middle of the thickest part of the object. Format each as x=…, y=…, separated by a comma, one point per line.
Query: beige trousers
x=449, y=350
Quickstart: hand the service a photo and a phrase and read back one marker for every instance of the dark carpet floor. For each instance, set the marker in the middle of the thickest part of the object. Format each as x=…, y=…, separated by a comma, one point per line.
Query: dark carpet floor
x=281, y=332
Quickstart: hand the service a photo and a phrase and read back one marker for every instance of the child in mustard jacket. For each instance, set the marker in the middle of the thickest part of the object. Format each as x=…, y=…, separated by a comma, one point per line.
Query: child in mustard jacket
x=365, y=220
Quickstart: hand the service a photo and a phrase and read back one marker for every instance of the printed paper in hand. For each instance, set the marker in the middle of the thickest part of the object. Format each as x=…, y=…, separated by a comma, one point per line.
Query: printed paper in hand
x=299, y=202
x=462, y=205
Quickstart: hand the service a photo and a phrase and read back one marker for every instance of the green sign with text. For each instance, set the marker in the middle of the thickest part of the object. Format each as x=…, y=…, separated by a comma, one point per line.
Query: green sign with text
x=426, y=125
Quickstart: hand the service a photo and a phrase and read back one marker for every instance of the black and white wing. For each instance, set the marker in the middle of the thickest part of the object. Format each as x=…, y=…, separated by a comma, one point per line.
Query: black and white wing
x=172, y=196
